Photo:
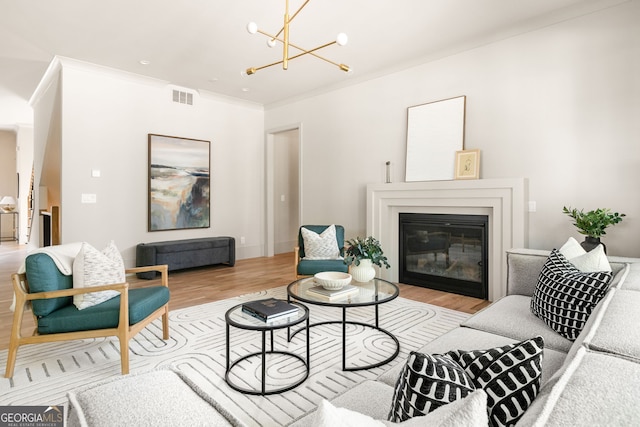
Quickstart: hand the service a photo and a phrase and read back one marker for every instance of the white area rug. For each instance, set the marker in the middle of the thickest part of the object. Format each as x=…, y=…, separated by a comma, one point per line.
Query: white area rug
x=45, y=373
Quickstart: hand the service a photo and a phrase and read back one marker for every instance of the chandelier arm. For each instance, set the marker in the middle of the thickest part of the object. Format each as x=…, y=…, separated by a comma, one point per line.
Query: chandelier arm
x=269, y=65
x=312, y=52
x=291, y=19
x=305, y=51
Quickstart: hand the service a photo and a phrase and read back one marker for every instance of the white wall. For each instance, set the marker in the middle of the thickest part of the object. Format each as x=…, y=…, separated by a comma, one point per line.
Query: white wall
x=107, y=116
x=14, y=109
x=558, y=106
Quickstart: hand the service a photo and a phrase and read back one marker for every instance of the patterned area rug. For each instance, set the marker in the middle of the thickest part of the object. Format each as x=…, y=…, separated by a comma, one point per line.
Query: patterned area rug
x=45, y=373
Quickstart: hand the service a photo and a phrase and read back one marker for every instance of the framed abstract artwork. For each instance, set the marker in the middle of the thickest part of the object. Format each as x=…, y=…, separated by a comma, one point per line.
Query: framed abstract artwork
x=467, y=164
x=435, y=131
x=179, y=183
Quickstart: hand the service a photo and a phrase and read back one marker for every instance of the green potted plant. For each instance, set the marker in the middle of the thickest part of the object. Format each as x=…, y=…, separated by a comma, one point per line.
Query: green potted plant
x=363, y=254
x=593, y=224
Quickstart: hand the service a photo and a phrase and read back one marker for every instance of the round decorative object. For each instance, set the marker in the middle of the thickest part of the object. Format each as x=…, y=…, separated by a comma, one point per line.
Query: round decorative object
x=364, y=272
x=332, y=280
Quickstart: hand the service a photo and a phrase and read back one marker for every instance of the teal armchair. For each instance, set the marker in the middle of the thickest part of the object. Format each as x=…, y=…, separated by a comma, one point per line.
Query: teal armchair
x=309, y=267
x=50, y=295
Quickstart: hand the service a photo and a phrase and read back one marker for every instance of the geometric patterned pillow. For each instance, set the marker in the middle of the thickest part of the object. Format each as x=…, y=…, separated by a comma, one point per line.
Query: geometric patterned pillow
x=427, y=382
x=564, y=296
x=510, y=375
x=320, y=246
x=94, y=268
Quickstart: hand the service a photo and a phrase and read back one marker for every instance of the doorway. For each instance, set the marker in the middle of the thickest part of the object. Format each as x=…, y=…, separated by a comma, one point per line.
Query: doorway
x=283, y=199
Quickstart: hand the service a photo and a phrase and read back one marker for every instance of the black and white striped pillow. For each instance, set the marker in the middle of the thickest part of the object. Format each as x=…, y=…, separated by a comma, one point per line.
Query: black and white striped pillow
x=565, y=296
x=426, y=383
x=510, y=375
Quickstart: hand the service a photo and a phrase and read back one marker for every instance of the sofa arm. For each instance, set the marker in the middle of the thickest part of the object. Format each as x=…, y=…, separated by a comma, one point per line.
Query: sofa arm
x=523, y=269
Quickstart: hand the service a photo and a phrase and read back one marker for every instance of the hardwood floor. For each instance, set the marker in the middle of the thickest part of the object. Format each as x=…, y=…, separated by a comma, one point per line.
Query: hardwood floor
x=202, y=285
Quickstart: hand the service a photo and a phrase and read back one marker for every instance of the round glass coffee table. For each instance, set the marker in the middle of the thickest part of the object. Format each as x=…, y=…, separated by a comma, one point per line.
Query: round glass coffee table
x=237, y=318
x=372, y=293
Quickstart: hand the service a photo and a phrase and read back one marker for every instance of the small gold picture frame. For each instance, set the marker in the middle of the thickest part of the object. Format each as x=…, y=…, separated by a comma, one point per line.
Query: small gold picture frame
x=467, y=164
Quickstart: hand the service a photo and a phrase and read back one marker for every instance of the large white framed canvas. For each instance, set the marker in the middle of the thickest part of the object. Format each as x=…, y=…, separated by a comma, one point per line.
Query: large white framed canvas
x=435, y=131
x=179, y=185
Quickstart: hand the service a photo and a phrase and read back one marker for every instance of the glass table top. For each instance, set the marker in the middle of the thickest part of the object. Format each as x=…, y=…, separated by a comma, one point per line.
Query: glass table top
x=238, y=318
x=374, y=292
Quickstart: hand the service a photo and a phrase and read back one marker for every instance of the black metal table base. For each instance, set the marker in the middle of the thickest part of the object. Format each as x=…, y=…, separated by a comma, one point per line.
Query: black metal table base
x=263, y=354
x=344, y=324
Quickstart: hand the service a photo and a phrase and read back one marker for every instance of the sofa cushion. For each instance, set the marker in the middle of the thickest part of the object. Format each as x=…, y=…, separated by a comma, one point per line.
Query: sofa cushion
x=144, y=399
x=510, y=375
x=320, y=245
x=427, y=382
x=613, y=331
x=43, y=275
x=190, y=244
x=94, y=268
x=565, y=296
x=469, y=412
x=511, y=317
x=595, y=390
x=472, y=339
x=142, y=302
x=308, y=267
x=632, y=279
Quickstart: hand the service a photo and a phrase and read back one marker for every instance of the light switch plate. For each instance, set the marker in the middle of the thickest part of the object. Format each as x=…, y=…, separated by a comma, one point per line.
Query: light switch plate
x=89, y=198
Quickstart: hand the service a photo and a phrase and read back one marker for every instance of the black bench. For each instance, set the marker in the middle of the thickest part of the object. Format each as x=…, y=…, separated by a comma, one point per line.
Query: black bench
x=187, y=253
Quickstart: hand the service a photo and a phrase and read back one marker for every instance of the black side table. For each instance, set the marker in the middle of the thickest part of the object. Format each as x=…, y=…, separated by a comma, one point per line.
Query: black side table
x=237, y=318
x=373, y=293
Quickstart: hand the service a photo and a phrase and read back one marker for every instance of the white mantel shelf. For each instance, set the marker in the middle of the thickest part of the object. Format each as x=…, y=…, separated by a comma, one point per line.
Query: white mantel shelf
x=502, y=200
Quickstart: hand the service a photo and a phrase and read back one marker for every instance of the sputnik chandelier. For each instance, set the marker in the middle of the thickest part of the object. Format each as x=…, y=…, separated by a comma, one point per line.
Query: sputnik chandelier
x=252, y=28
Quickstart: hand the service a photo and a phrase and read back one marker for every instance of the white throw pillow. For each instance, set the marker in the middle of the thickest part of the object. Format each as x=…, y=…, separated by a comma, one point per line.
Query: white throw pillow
x=587, y=262
x=94, y=268
x=320, y=246
x=572, y=249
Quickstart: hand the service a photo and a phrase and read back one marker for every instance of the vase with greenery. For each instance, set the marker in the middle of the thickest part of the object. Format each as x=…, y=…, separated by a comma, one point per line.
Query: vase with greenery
x=362, y=255
x=593, y=223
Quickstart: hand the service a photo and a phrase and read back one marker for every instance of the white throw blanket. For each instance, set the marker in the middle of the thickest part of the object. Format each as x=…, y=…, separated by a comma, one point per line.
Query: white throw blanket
x=62, y=255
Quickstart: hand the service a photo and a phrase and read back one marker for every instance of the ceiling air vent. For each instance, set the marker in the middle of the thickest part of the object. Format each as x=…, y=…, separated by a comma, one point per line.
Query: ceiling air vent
x=182, y=97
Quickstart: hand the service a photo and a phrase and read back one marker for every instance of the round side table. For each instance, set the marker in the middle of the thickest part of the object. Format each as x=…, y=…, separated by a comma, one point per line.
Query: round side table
x=238, y=319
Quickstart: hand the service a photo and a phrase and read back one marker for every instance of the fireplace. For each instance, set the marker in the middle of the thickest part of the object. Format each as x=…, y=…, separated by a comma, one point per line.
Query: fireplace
x=503, y=200
x=446, y=252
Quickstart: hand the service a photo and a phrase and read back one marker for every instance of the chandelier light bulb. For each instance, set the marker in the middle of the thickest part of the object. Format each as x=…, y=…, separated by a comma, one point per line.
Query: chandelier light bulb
x=271, y=42
x=342, y=39
x=252, y=27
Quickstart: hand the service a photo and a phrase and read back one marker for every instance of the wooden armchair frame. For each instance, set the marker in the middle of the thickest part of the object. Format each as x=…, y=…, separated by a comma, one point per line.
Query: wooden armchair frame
x=124, y=332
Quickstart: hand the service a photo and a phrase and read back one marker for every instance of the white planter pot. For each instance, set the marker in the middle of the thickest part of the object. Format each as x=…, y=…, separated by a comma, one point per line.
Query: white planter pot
x=363, y=272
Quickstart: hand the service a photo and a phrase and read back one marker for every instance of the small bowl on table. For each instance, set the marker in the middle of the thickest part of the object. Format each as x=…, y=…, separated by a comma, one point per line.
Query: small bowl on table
x=332, y=280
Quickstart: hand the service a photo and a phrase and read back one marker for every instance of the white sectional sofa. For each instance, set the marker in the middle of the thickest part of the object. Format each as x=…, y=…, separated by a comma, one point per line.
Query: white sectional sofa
x=593, y=380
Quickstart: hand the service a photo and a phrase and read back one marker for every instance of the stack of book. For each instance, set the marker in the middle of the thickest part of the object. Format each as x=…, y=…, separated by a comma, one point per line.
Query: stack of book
x=269, y=309
x=333, y=294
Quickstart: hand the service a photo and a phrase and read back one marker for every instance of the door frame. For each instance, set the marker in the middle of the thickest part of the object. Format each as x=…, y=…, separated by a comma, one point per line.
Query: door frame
x=270, y=197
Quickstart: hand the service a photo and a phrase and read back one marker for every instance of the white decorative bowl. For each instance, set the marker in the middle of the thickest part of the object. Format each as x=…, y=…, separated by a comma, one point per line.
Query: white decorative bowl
x=332, y=280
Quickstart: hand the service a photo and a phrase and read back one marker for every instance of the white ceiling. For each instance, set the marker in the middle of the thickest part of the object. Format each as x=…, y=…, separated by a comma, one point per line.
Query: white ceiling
x=204, y=45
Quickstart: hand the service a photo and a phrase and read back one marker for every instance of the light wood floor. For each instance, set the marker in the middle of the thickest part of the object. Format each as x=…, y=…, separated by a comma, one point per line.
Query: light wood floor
x=202, y=285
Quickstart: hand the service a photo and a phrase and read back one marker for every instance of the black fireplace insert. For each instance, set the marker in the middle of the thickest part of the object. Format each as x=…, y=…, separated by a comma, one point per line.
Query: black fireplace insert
x=445, y=252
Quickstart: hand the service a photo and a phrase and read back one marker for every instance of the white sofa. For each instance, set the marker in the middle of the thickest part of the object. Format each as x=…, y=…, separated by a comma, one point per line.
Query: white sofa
x=590, y=381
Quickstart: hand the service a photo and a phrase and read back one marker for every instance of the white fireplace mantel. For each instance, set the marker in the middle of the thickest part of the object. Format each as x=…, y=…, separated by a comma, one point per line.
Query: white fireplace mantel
x=502, y=200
